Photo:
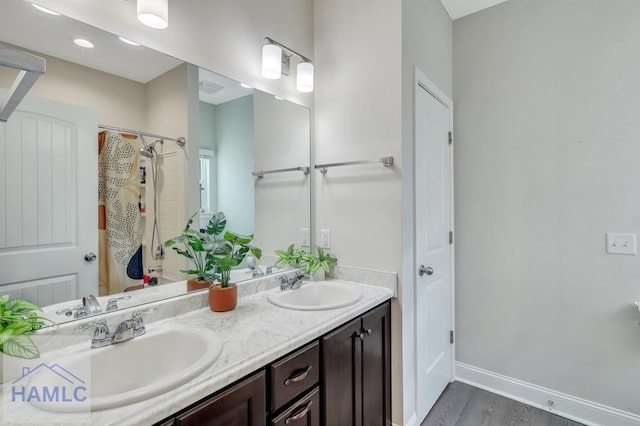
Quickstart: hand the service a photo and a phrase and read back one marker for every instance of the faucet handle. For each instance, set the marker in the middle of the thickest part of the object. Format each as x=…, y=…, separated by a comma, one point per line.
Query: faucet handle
x=136, y=316
x=98, y=324
x=77, y=311
x=112, y=304
x=101, y=335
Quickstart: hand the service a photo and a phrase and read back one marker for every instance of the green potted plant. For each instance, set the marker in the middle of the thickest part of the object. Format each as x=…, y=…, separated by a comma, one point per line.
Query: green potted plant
x=18, y=318
x=199, y=248
x=229, y=253
x=309, y=263
x=291, y=257
x=323, y=261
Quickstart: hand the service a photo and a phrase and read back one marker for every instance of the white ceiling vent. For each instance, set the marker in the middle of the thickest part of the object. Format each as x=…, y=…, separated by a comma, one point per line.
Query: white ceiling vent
x=210, y=87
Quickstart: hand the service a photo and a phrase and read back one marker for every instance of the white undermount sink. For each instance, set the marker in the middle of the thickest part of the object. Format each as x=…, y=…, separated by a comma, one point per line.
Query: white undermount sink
x=164, y=358
x=316, y=296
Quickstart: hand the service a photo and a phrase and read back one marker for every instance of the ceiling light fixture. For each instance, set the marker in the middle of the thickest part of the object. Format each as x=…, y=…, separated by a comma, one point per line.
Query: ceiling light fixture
x=83, y=43
x=154, y=13
x=274, y=59
x=45, y=10
x=127, y=41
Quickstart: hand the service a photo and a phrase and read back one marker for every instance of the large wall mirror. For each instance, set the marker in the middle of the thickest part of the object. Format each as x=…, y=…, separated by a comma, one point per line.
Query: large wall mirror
x=107, y=120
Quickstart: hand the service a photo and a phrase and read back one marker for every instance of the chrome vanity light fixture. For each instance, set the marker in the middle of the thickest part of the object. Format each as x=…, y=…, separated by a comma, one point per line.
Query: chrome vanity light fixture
x=154, y=13
x=276, y=62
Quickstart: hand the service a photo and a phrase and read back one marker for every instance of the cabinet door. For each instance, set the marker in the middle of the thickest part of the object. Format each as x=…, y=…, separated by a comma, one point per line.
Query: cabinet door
x=376, y=367
x=241, y=405
x=342, y=376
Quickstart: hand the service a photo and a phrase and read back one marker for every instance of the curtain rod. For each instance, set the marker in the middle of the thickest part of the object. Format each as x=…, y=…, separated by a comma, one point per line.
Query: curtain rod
x=181, y=141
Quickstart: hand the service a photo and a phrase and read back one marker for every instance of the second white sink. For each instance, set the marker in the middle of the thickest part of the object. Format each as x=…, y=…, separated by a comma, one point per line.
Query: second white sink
x=316, y=296
x=121, y=374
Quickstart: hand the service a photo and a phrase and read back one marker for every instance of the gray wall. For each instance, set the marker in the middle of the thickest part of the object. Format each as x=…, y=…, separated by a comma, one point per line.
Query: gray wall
x=427, y=45
x=365, y=52
x=207, y=133
x=234, y=162
x=547, y=124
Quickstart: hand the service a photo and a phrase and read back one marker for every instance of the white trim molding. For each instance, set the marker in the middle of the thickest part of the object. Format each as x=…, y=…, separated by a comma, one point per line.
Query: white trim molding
x=413, y=421
x=569, y=406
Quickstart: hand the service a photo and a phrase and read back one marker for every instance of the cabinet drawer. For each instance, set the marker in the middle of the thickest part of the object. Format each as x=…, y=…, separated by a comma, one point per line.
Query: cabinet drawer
x=294, y=374
x=305, y=412
x=242, y=404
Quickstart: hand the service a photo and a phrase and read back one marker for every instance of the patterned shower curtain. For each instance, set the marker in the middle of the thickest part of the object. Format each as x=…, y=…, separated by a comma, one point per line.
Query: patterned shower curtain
x=119, y=219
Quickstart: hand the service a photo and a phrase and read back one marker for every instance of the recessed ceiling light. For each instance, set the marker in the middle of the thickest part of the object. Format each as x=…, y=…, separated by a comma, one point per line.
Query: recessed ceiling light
x=126, y=40
x=83, y=43
x=246, y=86
x=277, y=97
x=45, y=10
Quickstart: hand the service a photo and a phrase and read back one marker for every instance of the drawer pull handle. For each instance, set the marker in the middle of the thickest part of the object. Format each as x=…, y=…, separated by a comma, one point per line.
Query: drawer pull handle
x=298, y=376
x=300, y=414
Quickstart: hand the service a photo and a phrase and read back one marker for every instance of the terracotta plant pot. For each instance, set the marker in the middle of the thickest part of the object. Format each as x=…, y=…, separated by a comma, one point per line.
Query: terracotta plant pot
x=195, y=284
x=223, y=299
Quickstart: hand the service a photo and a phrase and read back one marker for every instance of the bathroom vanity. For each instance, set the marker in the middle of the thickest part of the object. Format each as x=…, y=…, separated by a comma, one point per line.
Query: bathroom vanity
x=276, y=366
x=344, y=377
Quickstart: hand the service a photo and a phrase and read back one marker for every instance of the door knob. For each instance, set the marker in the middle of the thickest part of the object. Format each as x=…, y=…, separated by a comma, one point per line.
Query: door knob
x=90, y=257
x=425, y=270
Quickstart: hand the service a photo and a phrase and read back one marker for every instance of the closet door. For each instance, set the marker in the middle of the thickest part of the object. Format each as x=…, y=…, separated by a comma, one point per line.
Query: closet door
x=48, y=202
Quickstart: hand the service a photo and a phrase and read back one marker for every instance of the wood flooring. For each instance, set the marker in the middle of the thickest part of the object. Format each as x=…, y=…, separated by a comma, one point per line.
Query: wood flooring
x=464, y=405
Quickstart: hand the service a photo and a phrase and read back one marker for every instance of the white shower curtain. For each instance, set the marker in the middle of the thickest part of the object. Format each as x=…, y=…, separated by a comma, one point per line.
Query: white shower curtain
x=120, y=221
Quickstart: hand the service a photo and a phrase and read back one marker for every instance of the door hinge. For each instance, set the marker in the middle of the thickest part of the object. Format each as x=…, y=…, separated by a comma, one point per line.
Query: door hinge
x=450, y=237
x=451, y=337
x=450, y=138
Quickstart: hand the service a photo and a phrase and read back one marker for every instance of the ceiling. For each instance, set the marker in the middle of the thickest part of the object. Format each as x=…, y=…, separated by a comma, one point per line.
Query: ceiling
x=227, y=89
x=24, y=26
x=459, y=8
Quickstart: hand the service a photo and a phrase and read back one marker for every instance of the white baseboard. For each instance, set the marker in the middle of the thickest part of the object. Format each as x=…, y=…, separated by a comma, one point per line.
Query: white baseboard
x=571, y=407
x=413, y=421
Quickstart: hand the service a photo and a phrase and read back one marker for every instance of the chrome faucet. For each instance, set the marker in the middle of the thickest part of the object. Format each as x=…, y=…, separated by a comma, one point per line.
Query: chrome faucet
x=154, y=269
x=292, y=282
x=252, y=264
x=112, y=304
x=126, y=330
x=90, y=306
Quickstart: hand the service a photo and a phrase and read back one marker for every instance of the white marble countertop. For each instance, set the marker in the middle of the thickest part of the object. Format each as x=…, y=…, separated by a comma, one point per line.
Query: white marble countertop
x=254, y=334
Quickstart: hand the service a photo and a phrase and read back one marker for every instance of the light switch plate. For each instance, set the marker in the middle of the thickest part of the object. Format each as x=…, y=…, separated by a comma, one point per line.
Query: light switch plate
x=325, y=238
x=620, y=243
x=304, y=237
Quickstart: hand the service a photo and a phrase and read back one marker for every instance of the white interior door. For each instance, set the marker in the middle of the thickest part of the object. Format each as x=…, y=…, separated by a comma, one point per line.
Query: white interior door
x=433, y=249
x=48, y=202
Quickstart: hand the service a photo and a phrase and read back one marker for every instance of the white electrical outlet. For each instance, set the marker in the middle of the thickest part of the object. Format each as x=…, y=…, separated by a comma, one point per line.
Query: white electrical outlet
x=618, y=243
x=325, y=238
x=304, y=237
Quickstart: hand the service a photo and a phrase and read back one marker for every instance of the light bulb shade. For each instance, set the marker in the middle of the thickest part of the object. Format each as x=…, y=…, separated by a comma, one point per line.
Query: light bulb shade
x=154, y=13
x=271, y=61
x=304, y=77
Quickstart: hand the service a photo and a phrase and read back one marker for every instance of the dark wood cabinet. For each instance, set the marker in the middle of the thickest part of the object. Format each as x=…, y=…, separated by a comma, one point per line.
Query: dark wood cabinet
x=294, y=374
x=304, y=412
x=344, y=378
x=244, y=404
x=356, y=374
